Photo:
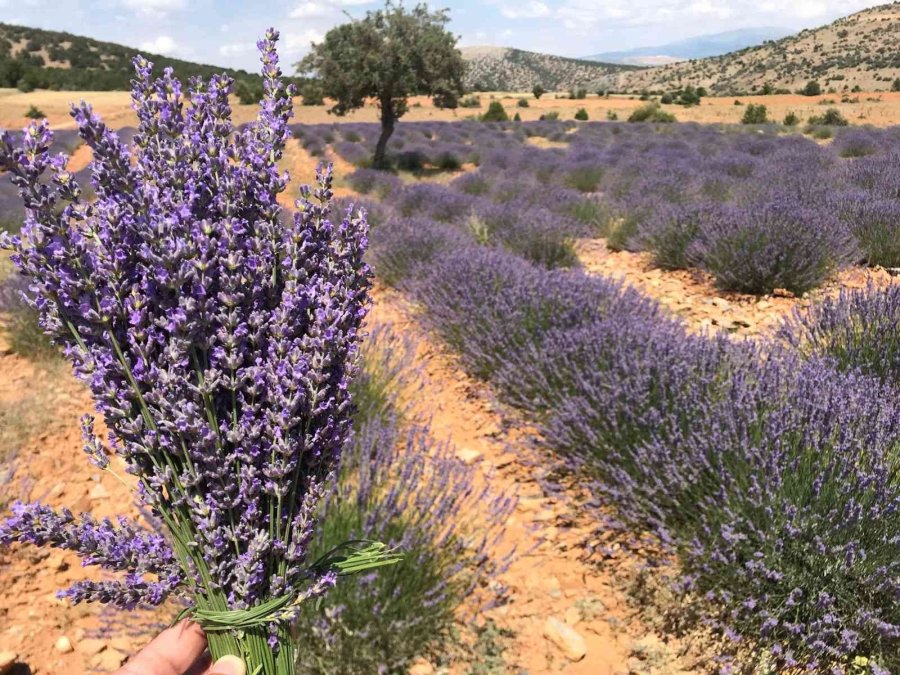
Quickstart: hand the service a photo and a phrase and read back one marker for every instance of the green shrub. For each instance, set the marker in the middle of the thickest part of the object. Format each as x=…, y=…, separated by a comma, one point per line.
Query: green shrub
x=584, y=178
x=755, y=114
x=831, y=118
x=35, y=113
x=522, y=103
x=495, y=113
x=551, y=116
x=19, y=322
x=246, y=93
x=517, y=117
x=791, y=119
x=447, y=161
x=612, y=115
x=736, y=102
x=591, y=212
x=821, y=133
x=312, y=94
x=445, y=100
x=812, y=88
x=620, y=232
x=651, y=113
x=470, y=102
x=581, y=115
x=538, y=91
x=410, y=161
x=667, y=99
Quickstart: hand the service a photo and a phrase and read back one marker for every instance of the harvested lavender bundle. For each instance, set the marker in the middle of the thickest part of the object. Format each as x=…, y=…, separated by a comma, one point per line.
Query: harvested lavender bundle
x=218, y=340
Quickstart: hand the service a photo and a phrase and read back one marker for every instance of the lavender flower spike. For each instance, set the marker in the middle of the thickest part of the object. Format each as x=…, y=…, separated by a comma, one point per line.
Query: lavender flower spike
x=218, y=339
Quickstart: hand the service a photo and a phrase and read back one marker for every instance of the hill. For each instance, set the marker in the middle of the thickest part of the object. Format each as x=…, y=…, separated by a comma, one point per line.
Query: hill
x=31, y=58
x=701, y=46
x=860, y=51
x=507, y=69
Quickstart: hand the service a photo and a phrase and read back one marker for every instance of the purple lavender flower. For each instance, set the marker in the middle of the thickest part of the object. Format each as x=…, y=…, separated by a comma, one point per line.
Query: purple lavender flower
x=218, y=340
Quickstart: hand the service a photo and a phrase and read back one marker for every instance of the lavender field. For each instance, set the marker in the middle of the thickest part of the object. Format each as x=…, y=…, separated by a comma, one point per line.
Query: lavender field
x=327, y=425
x=767, y=468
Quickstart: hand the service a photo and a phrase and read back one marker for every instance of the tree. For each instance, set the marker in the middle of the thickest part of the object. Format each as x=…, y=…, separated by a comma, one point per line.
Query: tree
x=390, y=55
x=538, y=91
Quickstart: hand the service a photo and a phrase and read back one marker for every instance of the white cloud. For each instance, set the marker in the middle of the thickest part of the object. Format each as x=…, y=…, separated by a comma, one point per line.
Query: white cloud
x=312, y=10
x=533, y=9
x=153, y=8
x=300, y=42
x=162, y=44
x=237, y=49
x=320, y=9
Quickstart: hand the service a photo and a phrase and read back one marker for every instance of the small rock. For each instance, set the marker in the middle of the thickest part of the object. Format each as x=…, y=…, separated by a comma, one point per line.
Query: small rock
x=421, y=667
x=544, y=516
x=721, y=303
x=64, y=645
x=98, y=492
x=573, y=616
x=468, y=455
x=123, y=644
x=763, y=304
x=90, y=646
x=7, y=661
x=566, y=638
x=58, y=490
x=58, y=562
x=109, y=660
x=651, y=650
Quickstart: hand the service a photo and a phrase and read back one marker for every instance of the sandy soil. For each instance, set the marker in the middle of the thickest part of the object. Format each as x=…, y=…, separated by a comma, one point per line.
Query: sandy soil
x=879, y=109
x=691, y=294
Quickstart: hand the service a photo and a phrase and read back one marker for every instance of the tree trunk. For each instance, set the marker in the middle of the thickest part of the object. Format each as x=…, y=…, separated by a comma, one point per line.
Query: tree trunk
x=387, y=128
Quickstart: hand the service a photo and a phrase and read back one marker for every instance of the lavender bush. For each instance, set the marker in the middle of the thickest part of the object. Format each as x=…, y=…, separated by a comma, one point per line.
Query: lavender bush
x=859, y=329
x=217, y=340
x=876, y=225
x=398, y=486
x=782, y=244
x=672, y=230
x=771, y=479
x=19, y=321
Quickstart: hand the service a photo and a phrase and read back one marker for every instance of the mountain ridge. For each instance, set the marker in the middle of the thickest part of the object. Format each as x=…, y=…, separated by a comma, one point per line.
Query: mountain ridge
x=859, y=52
x=510, y=69
x=699, y=46
x=33, y=58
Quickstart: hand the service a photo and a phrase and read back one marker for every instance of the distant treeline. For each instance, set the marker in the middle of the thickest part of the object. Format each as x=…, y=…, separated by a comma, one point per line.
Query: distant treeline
x=31, y=58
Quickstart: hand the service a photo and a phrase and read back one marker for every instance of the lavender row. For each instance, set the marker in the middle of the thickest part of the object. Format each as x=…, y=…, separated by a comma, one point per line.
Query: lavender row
x=770, y=476
x=759, y=211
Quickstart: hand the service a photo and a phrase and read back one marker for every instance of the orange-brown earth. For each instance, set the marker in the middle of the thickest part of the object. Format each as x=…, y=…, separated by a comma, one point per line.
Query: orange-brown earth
x=880, y=109
x=548, y=581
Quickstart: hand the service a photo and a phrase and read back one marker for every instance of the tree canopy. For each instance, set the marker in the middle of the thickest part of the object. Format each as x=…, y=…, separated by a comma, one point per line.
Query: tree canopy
x=391, y=54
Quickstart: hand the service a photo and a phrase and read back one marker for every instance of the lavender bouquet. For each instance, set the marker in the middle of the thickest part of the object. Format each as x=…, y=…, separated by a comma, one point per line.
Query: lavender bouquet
x=217, y=338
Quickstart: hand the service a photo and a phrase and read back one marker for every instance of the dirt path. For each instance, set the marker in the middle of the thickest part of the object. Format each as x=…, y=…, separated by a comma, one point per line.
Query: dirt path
x=549, y=579
x=48, y=635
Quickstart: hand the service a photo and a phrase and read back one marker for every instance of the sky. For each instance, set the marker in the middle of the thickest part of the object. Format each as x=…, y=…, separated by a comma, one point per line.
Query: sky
x=224, y=32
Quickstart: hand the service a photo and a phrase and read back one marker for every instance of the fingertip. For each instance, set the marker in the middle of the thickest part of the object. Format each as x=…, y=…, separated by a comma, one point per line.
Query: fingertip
x=229, y=665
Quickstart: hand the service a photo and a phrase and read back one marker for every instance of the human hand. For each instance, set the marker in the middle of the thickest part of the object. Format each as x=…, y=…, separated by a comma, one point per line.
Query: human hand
x=180, y=650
